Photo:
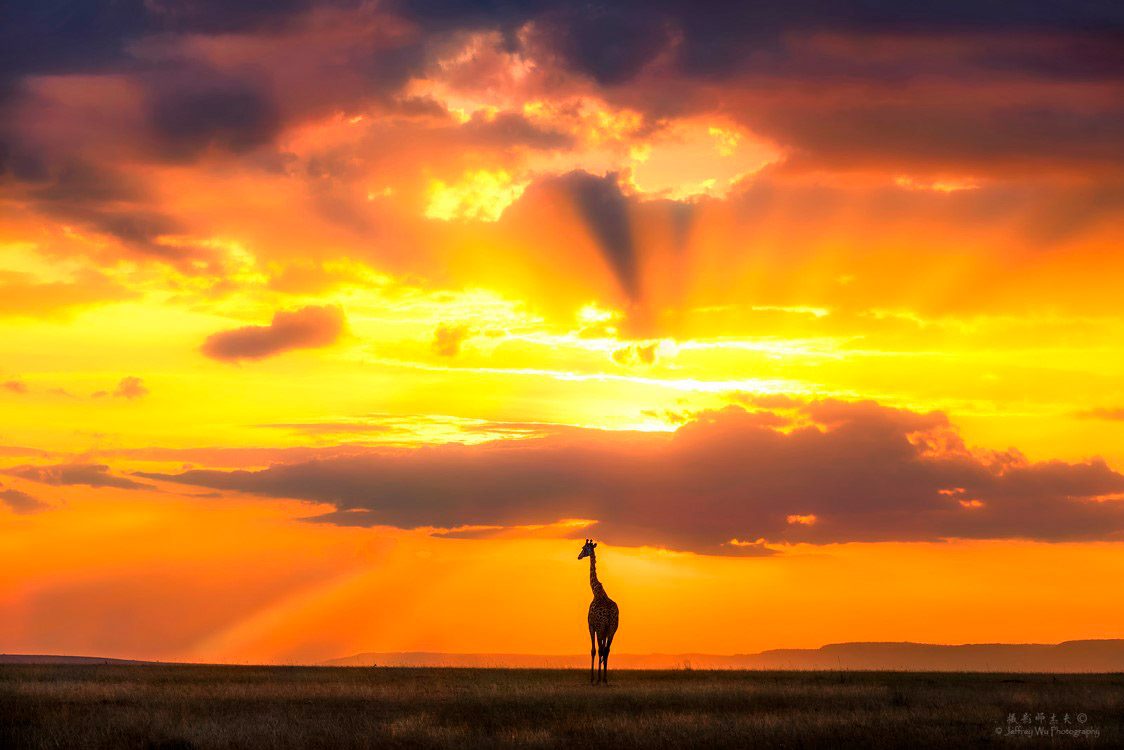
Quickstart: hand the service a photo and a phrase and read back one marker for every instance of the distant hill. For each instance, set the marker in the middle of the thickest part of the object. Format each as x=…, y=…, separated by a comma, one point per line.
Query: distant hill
x=55, y=659
x=1069, y=656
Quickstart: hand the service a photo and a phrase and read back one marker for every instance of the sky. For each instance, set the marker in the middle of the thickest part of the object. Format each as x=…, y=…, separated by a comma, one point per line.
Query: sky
x=329, y=327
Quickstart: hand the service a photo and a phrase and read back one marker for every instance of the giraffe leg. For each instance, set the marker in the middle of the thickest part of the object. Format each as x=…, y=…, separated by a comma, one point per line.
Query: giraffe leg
x=592, y=654
x=605, y=657
x=601, y=647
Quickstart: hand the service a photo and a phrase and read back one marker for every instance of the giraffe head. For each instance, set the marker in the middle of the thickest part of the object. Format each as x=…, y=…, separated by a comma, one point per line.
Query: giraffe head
x=587, y=550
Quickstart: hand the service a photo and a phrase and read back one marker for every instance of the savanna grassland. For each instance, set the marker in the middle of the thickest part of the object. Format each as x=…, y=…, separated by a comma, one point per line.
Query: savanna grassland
x=182, y=706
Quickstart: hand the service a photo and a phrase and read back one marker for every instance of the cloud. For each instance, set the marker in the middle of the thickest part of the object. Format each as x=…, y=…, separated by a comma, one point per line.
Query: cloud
x=637, y=354
x=90, y=475
x=15, y=386
x=23, y=295
x=202, y=110
x=22, y=450
x=510, y=129
x=21, y=502
x=330, y=428
x=911, y=89
x=480, y=195
x=130, y=387
x=862, y=471
x=851, y=84
x=943, y=96
x=46, y=38
x=144, y=84
x=1115, y=414
x=316, y=278
x=230, y=457
x=105, y=201
x=613, y=44
x=230, y=79
x=610, y=45
x=928, y=131
x=307, y=328
x=447, y=339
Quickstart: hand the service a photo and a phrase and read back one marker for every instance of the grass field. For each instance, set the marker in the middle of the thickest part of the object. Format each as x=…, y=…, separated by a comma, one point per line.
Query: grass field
x=310, y=707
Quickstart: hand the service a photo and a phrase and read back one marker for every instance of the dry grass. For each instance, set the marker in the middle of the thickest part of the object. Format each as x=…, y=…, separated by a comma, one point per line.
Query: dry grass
x=309, y=707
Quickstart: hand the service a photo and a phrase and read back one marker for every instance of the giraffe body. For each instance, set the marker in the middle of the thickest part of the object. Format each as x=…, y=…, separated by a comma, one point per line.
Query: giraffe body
x=604, y=617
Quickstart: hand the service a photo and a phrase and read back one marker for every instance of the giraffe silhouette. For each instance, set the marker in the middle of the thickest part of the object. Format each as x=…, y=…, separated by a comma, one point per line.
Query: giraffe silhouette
x=603, y=618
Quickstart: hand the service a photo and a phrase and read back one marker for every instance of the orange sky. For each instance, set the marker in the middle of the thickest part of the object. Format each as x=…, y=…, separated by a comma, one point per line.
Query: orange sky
x=330, y=328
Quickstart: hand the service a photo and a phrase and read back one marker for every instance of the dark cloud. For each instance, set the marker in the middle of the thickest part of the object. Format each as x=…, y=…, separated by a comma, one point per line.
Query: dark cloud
x=848, y=83
x=218, y=16
x=198, y=110
x=838, y=472
x=78, y=181
x=974, y=133
x=612, y=42
x=195, y=102
x=60, y=36
x=753, y=36
x=854, y=82
x=137, y=228
x=307, y=328
x=959, y=87
x=21, y=502
x=103, y=200
x=1089, y=54
x=91, y=475
x=608, y=44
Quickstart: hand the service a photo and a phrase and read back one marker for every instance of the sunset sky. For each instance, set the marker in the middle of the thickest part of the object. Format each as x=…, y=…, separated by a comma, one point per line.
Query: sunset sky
x=330, y=327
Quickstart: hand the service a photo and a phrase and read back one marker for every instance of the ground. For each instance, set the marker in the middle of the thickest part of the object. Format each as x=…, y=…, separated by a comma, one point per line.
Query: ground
x=173, y=706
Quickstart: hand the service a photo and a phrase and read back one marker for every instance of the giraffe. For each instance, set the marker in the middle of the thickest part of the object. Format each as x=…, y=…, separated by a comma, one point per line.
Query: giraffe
x=603, y=618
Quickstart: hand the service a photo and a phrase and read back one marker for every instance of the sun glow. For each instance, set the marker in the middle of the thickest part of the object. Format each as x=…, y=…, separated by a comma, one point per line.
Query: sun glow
x=479, y=195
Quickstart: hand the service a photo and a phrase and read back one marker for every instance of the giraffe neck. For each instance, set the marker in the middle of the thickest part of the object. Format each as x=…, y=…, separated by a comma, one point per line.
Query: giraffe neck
x=598, y=589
